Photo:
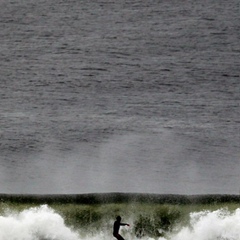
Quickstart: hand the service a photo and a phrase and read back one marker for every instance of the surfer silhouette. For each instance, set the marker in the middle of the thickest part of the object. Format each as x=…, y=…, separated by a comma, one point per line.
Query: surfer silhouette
x=116, y=227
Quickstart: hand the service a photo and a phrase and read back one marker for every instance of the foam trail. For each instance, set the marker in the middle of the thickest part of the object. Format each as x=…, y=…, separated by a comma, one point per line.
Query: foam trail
x=35, y=224
x=206, y=225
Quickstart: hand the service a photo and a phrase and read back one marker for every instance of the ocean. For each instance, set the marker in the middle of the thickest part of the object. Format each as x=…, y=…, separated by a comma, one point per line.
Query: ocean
x=119, y=96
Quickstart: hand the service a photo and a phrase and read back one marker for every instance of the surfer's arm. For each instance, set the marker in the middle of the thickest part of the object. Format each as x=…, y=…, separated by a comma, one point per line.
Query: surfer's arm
x=124, y=224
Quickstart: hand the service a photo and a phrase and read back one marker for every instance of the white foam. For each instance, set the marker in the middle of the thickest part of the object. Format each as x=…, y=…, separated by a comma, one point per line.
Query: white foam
x=206, y=225
x=35, y=224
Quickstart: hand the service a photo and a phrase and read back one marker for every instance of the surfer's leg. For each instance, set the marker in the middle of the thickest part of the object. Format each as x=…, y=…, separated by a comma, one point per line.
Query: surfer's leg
x=118, y=236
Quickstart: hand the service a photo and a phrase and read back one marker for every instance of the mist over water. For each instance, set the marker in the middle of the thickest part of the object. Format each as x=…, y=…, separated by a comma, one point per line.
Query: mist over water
x=159, y=163
x=138, y=96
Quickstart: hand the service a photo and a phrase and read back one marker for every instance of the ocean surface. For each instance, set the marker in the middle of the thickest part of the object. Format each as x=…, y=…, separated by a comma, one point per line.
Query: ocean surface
x=120, y=96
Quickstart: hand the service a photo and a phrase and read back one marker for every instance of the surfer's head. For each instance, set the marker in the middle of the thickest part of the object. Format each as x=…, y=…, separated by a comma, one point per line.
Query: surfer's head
x=118, y=218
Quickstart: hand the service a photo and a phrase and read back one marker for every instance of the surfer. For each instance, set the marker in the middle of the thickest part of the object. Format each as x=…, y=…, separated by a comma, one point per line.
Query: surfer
x=116, y=227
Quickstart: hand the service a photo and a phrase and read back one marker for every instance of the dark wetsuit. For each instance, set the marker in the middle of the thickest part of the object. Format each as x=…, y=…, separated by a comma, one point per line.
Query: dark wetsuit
x=116, y=227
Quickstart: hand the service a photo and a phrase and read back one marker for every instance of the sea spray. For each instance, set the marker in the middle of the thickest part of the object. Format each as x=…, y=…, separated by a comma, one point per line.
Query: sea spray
x=35, y=224
x=211, y=225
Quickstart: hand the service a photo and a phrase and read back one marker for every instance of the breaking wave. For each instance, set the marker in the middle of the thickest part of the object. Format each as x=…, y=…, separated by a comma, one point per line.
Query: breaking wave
x=36, y=223
x=45, y=223
x=207, y=225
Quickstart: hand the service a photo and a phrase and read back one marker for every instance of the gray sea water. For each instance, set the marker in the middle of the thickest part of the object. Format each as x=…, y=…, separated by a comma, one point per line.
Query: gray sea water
x=120, y=96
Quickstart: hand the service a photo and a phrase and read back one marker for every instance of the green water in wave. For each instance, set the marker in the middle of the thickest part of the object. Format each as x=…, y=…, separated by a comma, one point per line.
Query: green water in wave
x=149, y=215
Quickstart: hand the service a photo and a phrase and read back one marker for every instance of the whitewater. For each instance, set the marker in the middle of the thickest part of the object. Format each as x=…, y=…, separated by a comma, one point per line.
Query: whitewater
x=205, y=225
x=44, y=223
